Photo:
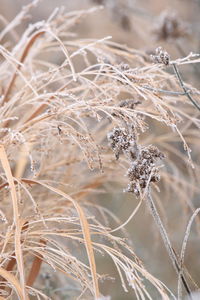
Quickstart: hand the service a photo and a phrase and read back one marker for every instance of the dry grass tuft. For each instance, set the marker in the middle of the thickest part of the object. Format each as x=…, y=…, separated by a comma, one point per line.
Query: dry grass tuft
x=61, y=97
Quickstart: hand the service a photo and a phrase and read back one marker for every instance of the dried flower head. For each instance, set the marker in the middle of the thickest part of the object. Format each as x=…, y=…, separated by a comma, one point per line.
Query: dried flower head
x=123, y=140
x=129, y=103
x=161, y=56
x=143, y=170
x=125, y=23
x=98, y=1
x=170, y=26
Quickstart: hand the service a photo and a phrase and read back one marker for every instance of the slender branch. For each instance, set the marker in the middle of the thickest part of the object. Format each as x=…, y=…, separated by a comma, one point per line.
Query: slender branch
x=174, y=93
x=166, y=241
x=184, y=244
x=187, y=93
x=182, y=52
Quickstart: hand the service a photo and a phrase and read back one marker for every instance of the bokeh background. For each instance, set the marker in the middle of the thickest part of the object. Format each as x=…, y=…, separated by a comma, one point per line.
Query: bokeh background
x=143, y=25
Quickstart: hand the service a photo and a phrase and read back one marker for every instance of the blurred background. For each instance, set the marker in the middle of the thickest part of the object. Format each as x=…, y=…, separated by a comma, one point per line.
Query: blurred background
x=143, y=25
x=137, y=23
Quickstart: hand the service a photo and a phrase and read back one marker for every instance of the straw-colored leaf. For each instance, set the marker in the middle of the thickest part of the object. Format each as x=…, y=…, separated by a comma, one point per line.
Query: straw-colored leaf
x=86, y=233
x=18, y=223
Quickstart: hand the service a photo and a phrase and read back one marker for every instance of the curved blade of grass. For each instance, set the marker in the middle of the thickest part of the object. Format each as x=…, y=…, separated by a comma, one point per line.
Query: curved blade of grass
x=16, y=219
x=86, y=233
x=129, y=218
x=13, y=281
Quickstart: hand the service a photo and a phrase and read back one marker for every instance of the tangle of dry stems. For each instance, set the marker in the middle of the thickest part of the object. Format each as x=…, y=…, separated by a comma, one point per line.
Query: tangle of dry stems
x=60, y=98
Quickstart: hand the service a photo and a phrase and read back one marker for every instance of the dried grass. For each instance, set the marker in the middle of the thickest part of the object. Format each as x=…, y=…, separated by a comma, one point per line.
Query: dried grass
x=61, y=96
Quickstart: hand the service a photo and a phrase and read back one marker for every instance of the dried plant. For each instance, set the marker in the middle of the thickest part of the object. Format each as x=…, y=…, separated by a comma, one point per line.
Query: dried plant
x=161, y=57
x=61, y=98
x=169, y=26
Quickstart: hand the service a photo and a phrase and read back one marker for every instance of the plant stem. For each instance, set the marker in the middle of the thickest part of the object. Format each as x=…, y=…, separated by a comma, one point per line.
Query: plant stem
x=187, y=93
x=167, y=243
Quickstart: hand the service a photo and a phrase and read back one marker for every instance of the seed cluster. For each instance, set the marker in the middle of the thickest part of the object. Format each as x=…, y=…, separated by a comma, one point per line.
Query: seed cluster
x=123, y=141
x=129, y=103
x=143, y=160
x=161, y=56
x=143, y=170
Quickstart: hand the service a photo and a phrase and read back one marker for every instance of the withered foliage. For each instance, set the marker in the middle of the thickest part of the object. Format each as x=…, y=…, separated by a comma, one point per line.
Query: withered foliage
x=61, y=97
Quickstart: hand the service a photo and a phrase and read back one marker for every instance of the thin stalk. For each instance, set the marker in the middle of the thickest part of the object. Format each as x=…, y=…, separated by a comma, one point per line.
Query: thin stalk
x=166, y=241
x=187, y=93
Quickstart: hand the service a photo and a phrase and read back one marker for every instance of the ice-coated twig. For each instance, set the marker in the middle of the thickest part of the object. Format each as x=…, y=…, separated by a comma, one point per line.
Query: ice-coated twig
x=166, y=241
x=187, y=93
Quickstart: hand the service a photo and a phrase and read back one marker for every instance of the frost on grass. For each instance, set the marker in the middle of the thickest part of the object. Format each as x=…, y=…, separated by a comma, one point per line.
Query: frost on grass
x=61, y=97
